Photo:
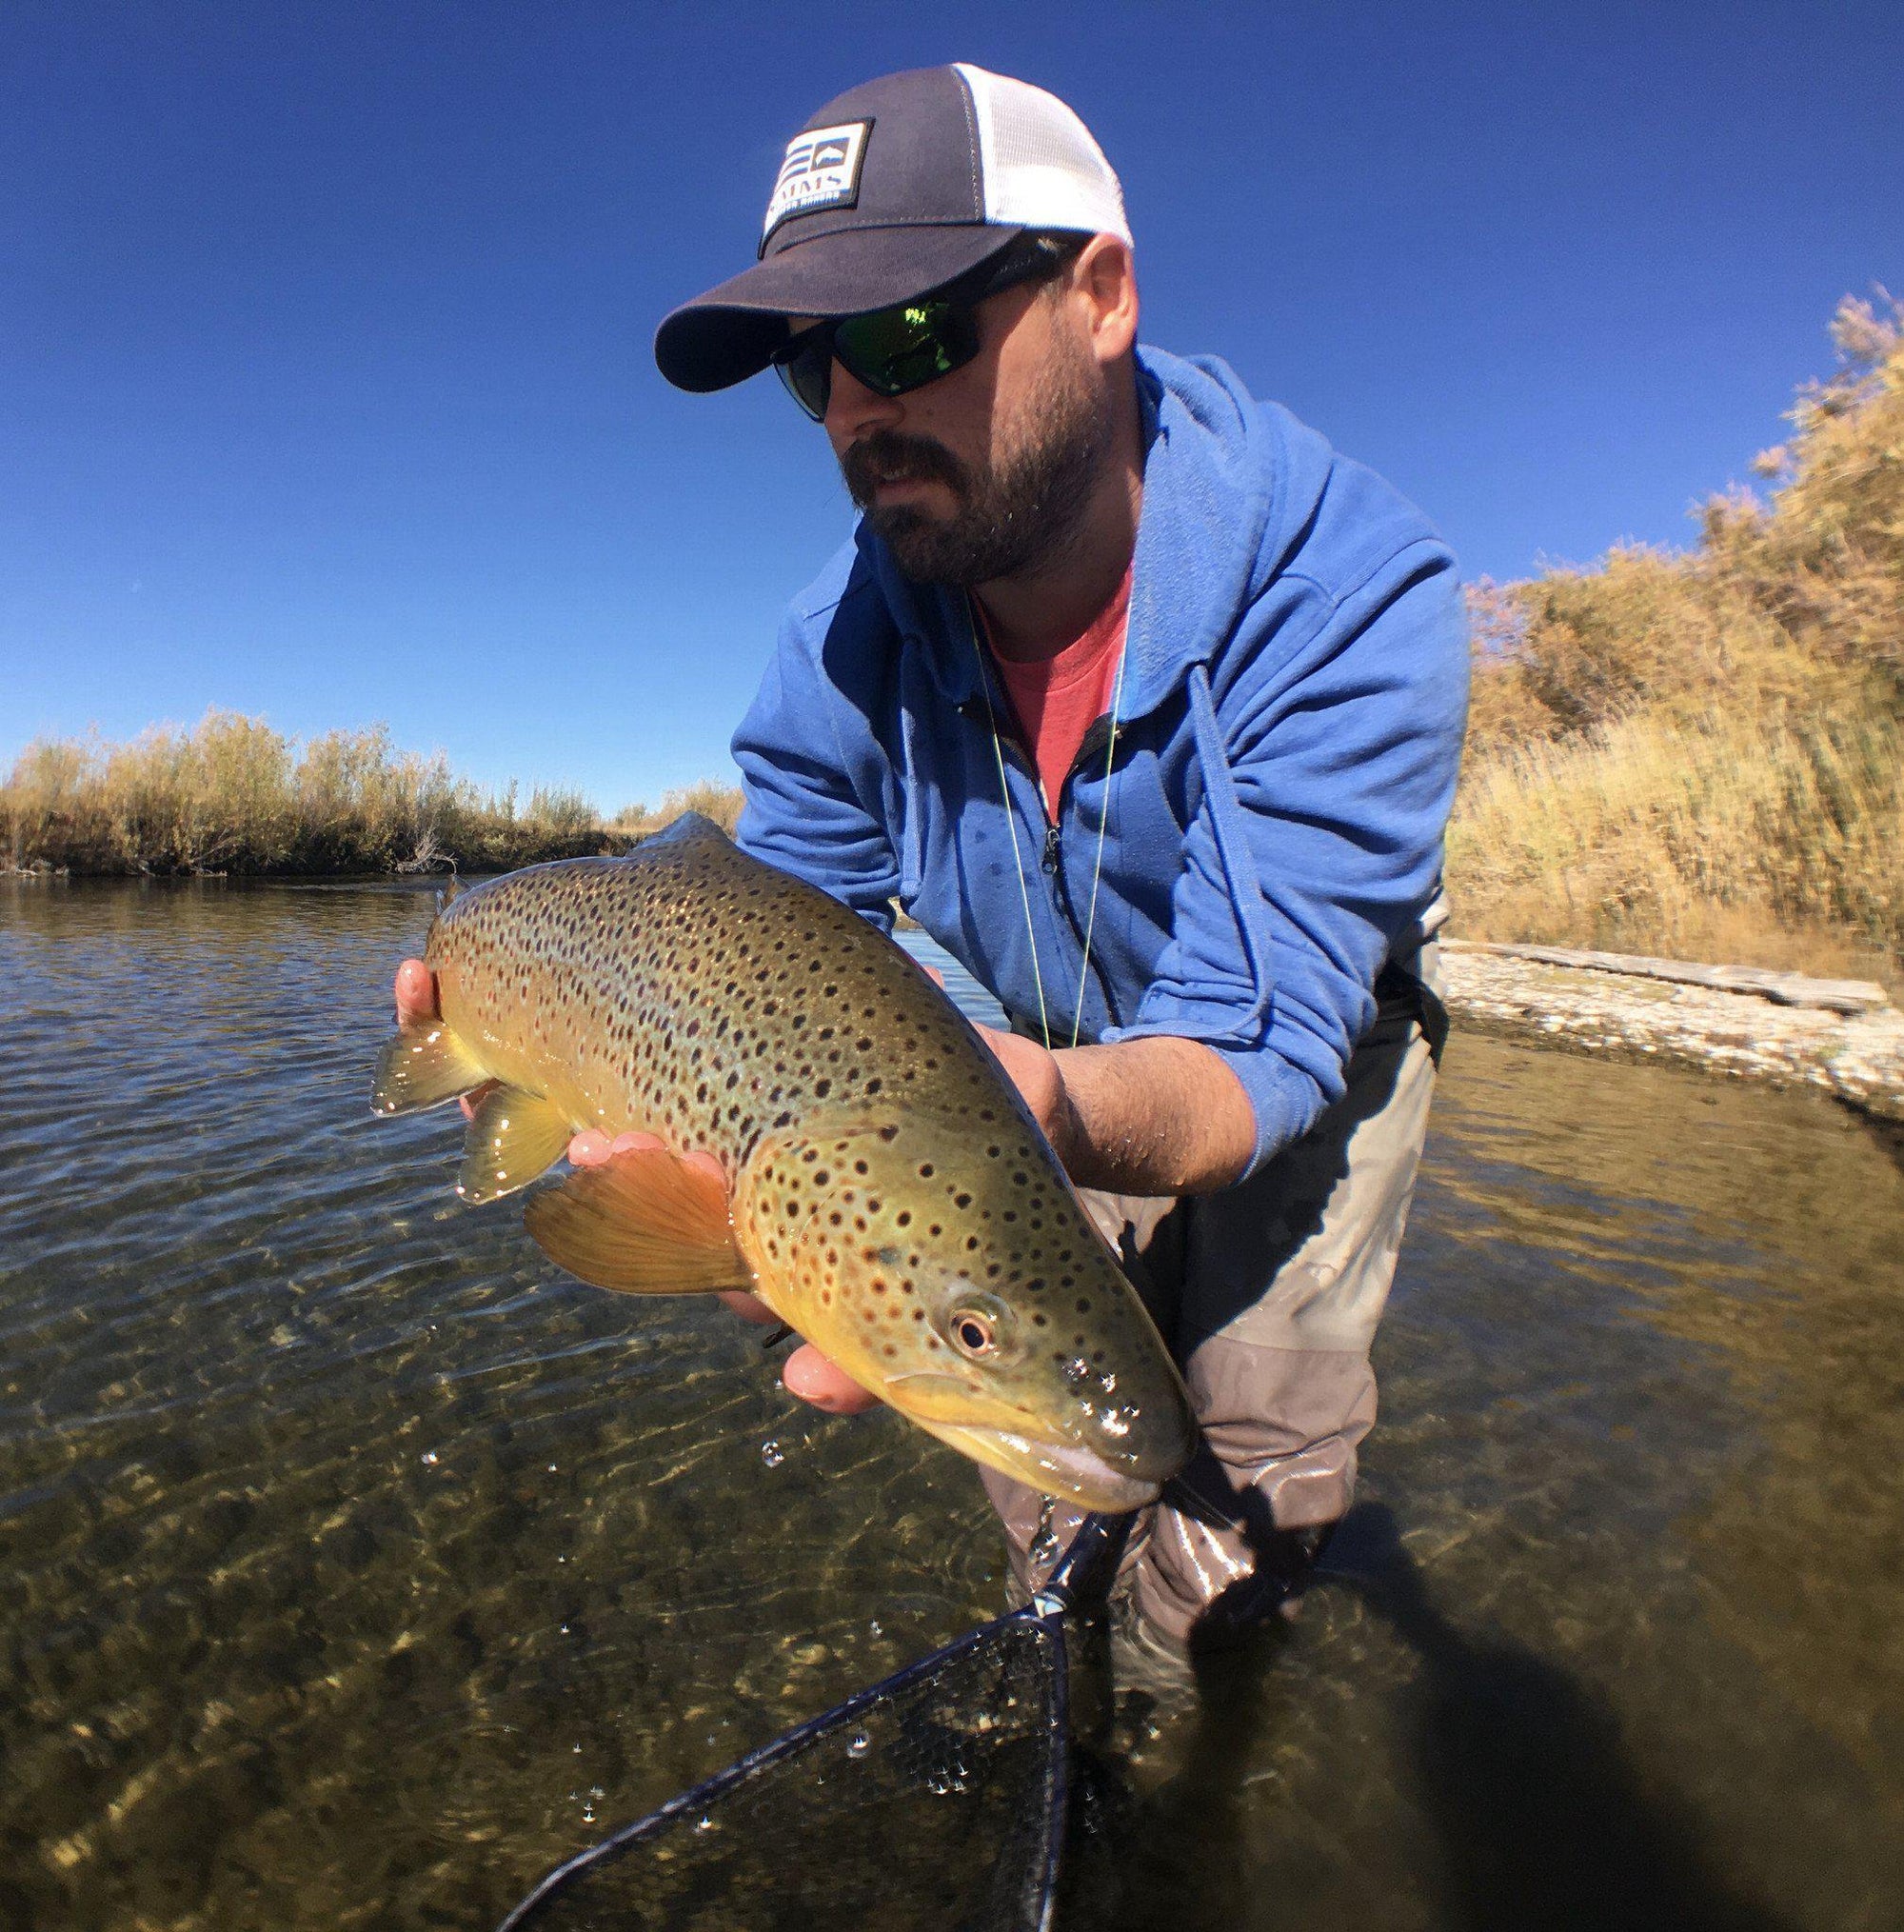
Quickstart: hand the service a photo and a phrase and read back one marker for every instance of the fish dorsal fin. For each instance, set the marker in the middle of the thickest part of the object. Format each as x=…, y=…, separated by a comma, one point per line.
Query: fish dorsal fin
x=690, y=825
x=423, y=1066
x=646, y=1223
x=513, y=1136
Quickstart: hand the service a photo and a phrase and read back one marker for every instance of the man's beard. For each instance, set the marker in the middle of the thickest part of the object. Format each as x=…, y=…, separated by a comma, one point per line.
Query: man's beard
x=1021, y=511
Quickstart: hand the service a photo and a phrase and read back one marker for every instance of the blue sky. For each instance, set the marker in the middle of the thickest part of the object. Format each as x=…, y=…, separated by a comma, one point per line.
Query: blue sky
x=325, y=382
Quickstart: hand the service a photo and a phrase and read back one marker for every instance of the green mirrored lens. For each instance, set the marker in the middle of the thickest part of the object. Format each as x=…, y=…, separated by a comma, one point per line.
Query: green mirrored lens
x=903, y=348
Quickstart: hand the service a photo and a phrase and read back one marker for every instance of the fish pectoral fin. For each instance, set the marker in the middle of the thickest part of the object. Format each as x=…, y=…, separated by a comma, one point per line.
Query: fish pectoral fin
x=423, y=1066
x=645, y=1222
x=513, y=1137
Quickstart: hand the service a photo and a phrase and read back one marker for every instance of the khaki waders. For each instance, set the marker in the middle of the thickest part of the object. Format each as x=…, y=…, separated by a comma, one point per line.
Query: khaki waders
x=1268, y=1294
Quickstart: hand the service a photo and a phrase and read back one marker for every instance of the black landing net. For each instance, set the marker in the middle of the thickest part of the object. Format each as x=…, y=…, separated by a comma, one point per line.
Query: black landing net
x=935, y=1800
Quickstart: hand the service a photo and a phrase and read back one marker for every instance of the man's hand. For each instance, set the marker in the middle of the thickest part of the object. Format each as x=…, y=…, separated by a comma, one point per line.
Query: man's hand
x=1155, y=1116
x=1038, y=1075
x=807, y=1373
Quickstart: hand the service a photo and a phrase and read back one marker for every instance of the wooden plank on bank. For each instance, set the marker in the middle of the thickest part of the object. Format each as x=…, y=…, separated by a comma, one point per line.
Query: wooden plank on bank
x=1788, y=989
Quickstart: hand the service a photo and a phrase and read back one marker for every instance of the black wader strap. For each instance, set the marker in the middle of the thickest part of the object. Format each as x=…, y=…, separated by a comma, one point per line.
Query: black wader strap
x=1396, y=984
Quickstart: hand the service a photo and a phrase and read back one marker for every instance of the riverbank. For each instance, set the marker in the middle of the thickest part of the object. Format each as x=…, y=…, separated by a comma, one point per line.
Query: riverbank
x=1841, y=1037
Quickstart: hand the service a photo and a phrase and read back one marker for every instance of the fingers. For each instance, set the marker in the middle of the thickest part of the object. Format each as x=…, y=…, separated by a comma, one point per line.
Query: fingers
x=591, y=1148
x=816, y=1379
x=416, y=994
x=749, y=1307
x=1039, y=1076
x=475, y=1097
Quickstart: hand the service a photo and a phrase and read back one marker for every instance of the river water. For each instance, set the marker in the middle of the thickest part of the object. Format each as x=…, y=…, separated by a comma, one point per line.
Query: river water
x=358, y=1565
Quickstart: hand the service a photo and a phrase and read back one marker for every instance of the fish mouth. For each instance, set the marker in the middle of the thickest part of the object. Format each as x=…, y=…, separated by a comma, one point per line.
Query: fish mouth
x=1024, y=1443
x=1072, y=1472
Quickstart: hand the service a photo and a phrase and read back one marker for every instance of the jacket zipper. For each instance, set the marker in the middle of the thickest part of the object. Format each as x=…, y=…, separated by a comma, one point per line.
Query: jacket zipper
x=1051, y=861
x=1093, y=741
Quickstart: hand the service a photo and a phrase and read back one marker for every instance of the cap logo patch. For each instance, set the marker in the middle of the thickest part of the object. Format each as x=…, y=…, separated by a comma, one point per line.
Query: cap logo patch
x=822, y=170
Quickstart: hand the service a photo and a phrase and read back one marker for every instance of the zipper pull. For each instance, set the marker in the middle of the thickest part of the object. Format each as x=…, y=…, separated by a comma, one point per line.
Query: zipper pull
x=1051, y=850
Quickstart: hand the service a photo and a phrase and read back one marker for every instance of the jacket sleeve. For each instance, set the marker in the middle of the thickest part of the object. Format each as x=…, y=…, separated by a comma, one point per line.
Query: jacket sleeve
x=1329, y=736
x=813, y=783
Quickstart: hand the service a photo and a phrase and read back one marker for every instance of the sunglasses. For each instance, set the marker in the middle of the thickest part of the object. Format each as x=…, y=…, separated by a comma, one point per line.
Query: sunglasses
x=898, y=349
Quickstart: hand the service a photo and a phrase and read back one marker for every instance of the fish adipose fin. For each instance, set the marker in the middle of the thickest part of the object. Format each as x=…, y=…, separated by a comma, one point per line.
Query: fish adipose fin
x=513, y=1136
x=423, y=1066
x=646, y=1223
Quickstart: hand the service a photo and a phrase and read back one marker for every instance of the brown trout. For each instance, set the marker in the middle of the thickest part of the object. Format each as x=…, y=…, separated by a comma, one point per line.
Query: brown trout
x=888, y=1195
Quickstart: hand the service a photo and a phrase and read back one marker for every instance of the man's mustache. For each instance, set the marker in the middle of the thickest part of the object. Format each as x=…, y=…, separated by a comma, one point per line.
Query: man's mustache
x=889, y=456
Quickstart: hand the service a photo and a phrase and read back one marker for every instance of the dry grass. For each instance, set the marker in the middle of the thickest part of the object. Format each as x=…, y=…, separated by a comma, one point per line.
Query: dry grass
x=1701, y=754
x=1732, y=837
x=232, y=795
x=721, y=803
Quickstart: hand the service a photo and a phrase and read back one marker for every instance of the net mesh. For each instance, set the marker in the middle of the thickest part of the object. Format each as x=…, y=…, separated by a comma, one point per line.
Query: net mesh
x=935, y=1799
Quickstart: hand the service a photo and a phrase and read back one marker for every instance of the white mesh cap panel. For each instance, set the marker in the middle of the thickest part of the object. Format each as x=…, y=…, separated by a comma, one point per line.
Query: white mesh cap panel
x=1041, y=168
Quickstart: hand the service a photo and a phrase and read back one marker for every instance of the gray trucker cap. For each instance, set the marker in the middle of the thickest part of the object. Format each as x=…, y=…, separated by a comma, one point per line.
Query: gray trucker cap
x=893, y=188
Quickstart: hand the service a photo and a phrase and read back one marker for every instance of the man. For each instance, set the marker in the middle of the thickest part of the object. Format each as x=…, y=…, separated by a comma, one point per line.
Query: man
x=1148, y=708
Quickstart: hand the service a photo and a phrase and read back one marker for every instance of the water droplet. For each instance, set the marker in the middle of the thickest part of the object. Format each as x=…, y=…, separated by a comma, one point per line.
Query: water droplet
x=596, y=1791
x=772, y=1454
x=1076, y=1371
x=860, y=1744
x=705, y=1824
x=576, y=1748
x=551, y=1469
x=589, y=1814
x=429, y=1459
x=564, y=1629
x=874, y=1626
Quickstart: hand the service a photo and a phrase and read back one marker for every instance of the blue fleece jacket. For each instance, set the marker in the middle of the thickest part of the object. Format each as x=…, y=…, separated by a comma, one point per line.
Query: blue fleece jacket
x=1294, y=697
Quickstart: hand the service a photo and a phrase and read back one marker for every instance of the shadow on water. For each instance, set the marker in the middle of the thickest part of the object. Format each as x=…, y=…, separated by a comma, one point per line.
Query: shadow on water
x=1889, y=1136
x=1537, y=1816
x=1540, y=1816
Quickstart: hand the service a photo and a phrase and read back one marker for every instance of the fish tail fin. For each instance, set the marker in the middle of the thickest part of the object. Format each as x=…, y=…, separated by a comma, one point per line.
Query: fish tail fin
x=423, y=1066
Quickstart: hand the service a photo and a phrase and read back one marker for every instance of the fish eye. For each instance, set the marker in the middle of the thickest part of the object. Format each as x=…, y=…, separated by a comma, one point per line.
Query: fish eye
x=973, y=1333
